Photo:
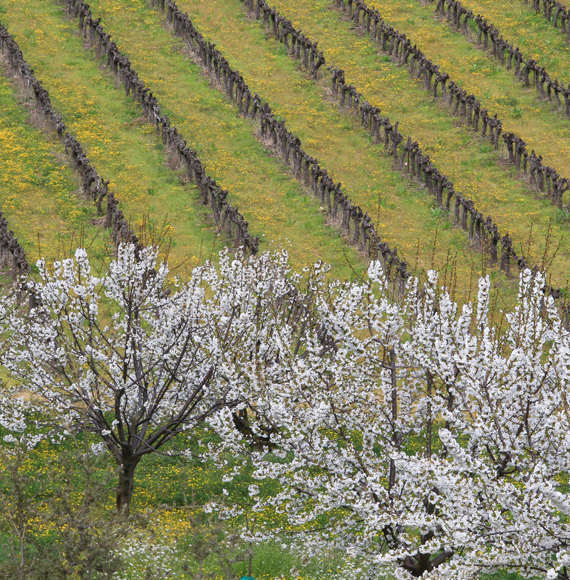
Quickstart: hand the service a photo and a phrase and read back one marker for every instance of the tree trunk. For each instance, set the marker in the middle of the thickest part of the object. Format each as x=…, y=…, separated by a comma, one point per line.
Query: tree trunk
x=126, y=483
x=395, y=434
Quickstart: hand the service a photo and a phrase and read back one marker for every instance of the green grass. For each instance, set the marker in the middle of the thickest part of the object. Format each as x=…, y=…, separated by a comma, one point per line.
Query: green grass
x=531, y=32
x=39, y=194
x=522, y=111
x=169, y=493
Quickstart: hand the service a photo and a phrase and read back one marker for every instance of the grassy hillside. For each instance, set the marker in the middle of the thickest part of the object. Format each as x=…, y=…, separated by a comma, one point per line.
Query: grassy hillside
x=117, y=140
x=464, y=157
x=39, y=194
x=544, y=129
x=261, y=187
x=404, y=213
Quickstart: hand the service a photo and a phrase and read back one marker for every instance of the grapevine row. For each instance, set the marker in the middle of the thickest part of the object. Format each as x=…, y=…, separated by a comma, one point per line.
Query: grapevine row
x=523, y=66
x=399, y=47
x=225, y=215
x=483, y=232
x=553, y=7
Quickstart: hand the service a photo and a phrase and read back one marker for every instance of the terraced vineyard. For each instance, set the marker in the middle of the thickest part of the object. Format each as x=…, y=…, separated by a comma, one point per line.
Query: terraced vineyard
x=384, y=129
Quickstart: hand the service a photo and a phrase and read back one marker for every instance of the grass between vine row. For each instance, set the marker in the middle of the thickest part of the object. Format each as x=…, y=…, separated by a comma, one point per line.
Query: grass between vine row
x=544, y=129
x=126, y=150
x=39, y=194
x=133, y=156
x=405, y=213
x=274, y=204
x=531, y=32
x=122, y=147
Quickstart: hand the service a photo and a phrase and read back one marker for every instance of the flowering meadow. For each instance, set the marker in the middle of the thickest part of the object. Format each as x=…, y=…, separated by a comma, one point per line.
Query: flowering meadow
x=38, y=191
x=130, y=155
x=167, y=523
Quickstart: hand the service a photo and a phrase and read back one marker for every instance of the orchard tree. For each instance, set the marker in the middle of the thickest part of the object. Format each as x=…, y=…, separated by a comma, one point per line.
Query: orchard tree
x=136, y=358
x=122, y=352
x=412, y=434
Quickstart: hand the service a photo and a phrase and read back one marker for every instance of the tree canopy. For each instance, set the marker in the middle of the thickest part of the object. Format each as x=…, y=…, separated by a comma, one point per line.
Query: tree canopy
x=409, y=431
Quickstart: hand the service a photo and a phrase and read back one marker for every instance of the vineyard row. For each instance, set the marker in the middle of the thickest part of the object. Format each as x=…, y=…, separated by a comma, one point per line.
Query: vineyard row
x=354, y=221
x=225, y=215
x=94, y=185
x=550, y=7
x=484, y=233
x=398, y=46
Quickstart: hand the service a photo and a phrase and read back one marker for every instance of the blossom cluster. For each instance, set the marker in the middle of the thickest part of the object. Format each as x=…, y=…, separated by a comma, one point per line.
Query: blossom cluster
x=411, y=433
